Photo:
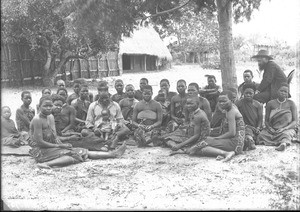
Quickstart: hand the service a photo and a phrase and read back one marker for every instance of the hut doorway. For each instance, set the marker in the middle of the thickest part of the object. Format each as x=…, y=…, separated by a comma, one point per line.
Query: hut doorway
x=126, y=62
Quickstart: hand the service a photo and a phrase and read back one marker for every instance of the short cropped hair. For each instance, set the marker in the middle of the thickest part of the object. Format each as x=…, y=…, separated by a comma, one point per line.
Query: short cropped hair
x=129, y=85
x=44, y=98
x=119, y=80
x=145, y=79
x=148, y=87
x=164, y=80
x=56, y=97
x=59, y=89
x=24, y=92
x=194, y=84
x=211, y=77
x=2, y=108
x=181, y=80
x=102, y=83
x=46, y=89
x=227, y=93
x=195, y=99
x=249, y=71
x=249, y=85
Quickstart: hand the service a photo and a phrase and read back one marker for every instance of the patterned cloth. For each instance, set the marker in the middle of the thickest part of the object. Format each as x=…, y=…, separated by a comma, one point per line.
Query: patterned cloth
x=235, y=144
x=279, y=118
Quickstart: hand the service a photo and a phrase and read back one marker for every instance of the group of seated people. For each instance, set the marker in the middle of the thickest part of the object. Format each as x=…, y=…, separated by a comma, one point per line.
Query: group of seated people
x=196, y=121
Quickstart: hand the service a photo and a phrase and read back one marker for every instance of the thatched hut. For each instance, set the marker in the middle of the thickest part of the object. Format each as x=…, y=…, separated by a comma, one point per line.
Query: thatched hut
x=144, y=51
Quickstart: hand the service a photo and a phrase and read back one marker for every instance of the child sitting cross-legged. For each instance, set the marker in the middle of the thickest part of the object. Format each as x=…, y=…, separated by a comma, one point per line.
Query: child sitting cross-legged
x=10, y=136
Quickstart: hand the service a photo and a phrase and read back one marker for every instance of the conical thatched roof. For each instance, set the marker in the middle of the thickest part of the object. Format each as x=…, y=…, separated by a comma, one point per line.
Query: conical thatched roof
x=144, y=40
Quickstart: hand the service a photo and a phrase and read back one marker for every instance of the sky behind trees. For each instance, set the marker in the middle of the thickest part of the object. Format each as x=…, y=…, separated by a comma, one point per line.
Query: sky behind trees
x=276, y=18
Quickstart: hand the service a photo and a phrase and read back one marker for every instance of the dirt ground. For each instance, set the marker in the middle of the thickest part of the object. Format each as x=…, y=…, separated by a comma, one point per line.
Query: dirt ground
x=149, y=179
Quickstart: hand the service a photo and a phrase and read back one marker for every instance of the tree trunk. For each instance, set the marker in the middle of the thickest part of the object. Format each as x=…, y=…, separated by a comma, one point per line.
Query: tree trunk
x=227, y=62
x=50, y=74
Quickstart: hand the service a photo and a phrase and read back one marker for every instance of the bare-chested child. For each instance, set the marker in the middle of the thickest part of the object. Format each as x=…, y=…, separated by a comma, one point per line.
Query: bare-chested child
x=10, y=136
x=139, y=93
x=252, y=112
x=75, y=95
x=127, y=104
x=49, y=151
x=177, y=106
x=280, y=119
x=195, y=131
x=119, y=86
x=164, y=98
x=25, y=113
x=81, y=106
x=66, y=119
x=193, y=91
x=147, y=117
x=45, y=92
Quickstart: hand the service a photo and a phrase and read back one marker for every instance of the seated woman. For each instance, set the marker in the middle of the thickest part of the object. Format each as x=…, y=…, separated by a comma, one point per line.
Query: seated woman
x=10, y=136
x=252, y=112
x=25, y=113
x=231, y=141
x=49, y=151
x=161, y=98
x=280, y=120
x=45, y=92
x=147, y=117
x=187, y=136
x=211, y=91
x=119, y=86
x=65, y=120
x=177, y=106
x=81, y=106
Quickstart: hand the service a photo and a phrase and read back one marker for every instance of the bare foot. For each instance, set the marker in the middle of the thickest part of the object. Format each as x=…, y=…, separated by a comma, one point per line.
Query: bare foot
x=219, y=157
x=252, y=146
x=120, y=151
x=281, y=147
x=228, y=156
x=43, y=166
x=180, y=151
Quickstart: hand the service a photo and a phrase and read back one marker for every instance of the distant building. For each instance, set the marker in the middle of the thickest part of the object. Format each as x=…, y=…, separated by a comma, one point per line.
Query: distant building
x=144, y=50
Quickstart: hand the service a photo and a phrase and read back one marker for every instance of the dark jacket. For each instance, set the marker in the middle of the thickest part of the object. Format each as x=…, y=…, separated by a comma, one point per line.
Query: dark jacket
x=272, y=78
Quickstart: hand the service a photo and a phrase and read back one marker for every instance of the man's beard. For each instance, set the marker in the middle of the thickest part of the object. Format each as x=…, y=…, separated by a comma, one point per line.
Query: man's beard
x=261, y=66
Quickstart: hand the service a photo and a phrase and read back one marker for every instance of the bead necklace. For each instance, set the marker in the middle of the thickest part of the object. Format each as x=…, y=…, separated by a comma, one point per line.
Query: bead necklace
x=280, y=103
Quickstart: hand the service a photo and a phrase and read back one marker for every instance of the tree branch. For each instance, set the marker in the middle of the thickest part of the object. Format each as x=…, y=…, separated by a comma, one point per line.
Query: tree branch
x=164, y=12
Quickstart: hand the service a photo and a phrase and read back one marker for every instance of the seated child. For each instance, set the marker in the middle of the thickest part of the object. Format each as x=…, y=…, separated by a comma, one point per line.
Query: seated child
x=10, y=136
x=139, y=93
x=45, y=92
x=107, y=126
x=119, y=86
x=25, y=113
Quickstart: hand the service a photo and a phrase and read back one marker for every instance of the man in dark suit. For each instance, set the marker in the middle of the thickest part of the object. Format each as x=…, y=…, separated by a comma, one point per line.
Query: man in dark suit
x=273, y=77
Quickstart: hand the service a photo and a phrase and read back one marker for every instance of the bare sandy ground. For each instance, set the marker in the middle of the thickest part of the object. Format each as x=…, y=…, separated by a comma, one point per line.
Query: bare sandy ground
x=147, y=178
x=150, y=179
